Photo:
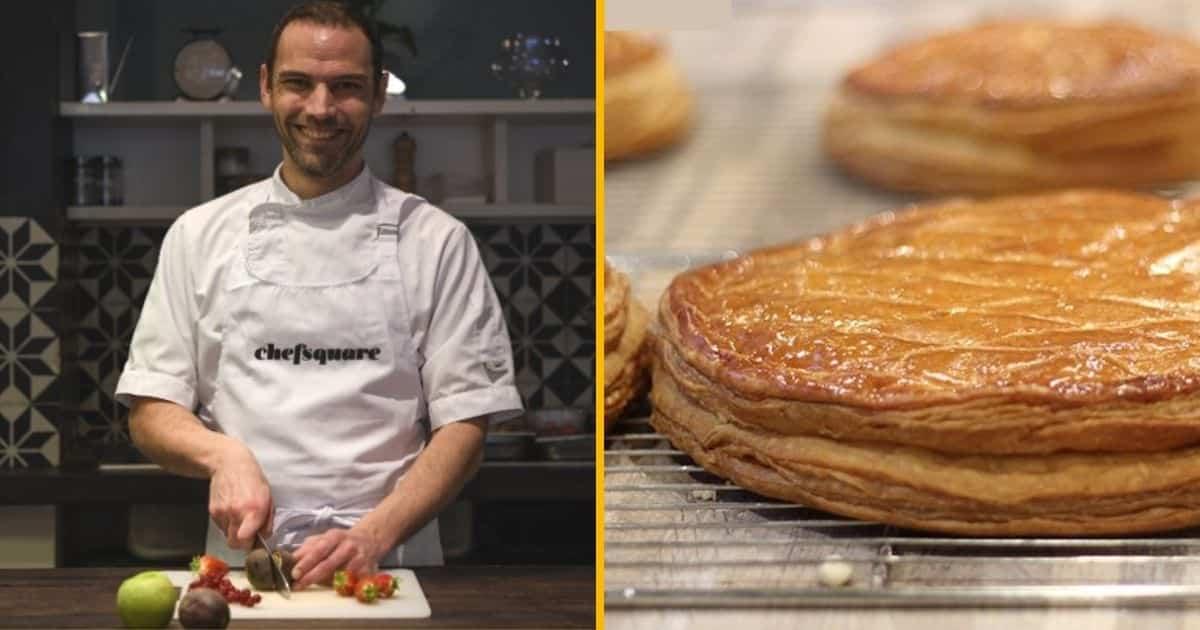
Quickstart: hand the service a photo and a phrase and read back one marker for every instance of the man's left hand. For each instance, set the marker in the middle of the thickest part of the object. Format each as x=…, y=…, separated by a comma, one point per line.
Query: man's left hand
x=354, y=549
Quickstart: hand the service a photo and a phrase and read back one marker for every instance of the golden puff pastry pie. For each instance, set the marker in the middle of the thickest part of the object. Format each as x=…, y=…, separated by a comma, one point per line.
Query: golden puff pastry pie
x=647, y=104
x=1022, y=365
x=1022, y=105
x=626, y=349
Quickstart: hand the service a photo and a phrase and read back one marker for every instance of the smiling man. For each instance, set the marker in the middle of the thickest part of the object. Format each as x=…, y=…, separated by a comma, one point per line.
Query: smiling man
x=327, y=350
x=322, y=93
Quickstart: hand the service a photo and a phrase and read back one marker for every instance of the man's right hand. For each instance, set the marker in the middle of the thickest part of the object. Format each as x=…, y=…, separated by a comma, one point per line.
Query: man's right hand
x=239, y=499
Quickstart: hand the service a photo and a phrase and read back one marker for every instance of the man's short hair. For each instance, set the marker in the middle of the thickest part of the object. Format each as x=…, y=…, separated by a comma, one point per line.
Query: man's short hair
x=329, y=13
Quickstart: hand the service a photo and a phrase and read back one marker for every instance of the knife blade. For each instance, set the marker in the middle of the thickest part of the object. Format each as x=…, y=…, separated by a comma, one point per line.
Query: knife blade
x=282, y=581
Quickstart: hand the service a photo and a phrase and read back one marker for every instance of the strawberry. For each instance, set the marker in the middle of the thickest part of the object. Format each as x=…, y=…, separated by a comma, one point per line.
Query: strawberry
x=366, y=591
x=344, y=582
x=209, y=566
x=385, y=583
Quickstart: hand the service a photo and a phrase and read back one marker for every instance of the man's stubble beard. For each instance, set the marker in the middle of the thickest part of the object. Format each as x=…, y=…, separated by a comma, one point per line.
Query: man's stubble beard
x=319, y=170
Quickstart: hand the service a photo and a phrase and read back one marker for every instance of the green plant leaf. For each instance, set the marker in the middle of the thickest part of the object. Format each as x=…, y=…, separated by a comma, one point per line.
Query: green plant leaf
x=401, y=33
x=387, y=30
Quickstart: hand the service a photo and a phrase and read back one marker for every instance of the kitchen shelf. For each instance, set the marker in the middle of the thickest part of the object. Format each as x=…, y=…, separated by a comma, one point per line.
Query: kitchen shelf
x=394, y=107
x=169, y=150
x=167, y=214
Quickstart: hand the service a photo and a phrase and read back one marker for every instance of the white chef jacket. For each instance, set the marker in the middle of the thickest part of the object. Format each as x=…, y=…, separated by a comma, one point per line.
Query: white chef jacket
x=457, y=326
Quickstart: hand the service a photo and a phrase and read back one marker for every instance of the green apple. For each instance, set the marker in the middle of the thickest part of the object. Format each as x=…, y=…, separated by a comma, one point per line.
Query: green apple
x=147, y=600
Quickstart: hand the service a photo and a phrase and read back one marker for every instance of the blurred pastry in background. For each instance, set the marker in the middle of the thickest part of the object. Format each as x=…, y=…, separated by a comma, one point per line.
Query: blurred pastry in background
x=626, y=346
x=1022, y=105
x=647, y=104
x=1019, y=365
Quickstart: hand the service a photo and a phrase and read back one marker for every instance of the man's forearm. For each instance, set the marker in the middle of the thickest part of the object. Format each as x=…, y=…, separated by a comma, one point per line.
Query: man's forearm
x=449, y=460
x=174, y=438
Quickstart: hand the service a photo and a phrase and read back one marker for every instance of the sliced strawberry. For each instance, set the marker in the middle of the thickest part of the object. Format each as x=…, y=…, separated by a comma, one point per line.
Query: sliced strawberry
x=209, y=566
x=344, y=582
x=366, y=591
x=385, y=583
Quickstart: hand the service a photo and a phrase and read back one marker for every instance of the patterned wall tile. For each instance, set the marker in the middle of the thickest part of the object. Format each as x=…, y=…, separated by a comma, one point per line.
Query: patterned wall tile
x=27, y=438
x=102, y=342
x=544, y=276
x=29, y=356
x=116, y=264
x=28, y=263
x=30, y=351
x=111, y=272
x=103, y=422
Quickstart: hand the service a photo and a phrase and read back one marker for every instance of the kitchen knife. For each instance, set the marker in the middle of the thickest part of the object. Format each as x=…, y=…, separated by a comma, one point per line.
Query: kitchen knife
x=282, y=581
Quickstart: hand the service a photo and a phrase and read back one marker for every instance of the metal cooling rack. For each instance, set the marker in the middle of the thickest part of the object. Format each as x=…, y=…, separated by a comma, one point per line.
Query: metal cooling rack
x=677, y=536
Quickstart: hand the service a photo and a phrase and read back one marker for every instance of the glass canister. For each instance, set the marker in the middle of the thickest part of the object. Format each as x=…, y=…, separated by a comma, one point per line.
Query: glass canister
x=83, y=180
x=112, y=181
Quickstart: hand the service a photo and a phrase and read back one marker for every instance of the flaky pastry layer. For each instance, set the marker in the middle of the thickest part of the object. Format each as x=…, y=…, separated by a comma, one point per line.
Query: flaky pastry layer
x=626, y=369
x=1005, y=495
x=1024, y=105
x=616, y=305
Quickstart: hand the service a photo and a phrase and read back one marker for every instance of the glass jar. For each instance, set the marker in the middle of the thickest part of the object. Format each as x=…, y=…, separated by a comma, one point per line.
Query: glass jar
x=112, y=181
x=83, y=181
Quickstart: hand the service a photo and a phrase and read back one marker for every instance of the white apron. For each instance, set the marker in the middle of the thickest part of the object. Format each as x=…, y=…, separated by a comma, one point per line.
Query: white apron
x=318, y=373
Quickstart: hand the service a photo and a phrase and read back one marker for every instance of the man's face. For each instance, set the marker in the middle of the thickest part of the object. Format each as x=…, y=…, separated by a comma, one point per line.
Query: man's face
x=322, y=97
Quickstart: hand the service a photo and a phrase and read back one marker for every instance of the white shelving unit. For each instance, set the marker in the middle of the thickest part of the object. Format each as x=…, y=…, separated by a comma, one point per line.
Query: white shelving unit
x=394, y=107
x=168, y=149
x=166, y=214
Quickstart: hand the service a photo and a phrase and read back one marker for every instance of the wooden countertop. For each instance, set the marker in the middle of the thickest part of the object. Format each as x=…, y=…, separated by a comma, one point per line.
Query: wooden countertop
x=460, y=597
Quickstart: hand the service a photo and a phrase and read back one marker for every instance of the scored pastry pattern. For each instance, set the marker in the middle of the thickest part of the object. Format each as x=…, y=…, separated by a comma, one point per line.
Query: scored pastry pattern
x=1018, y=366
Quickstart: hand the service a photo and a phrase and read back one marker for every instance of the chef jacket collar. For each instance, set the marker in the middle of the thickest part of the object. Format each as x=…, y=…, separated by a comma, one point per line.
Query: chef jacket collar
x=356, y=193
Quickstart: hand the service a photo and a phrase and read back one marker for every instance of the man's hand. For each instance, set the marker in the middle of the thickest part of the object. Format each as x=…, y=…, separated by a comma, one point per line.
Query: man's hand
x=356, y=550
x=174, y=438
x=239, y=499
x=451, y=457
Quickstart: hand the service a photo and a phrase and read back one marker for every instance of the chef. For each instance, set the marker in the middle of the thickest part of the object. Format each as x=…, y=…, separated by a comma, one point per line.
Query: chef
x=326, y=349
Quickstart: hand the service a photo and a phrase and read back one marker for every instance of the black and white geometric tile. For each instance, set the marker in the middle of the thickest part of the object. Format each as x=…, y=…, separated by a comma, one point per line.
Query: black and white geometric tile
x=30, y=352
x=102, y=342
x=102, y=346
x=111, y=272
x=30, y=358
x=28, y=263
x=104, y=423
x=27, y=438
x=544, y=276
x=115, y=264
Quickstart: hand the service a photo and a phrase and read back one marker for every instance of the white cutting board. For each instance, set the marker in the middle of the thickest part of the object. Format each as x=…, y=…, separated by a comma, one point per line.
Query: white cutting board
x=320, y=602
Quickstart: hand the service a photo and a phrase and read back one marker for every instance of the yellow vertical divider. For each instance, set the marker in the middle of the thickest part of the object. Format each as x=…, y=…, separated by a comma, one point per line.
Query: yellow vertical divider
x=598, y=209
